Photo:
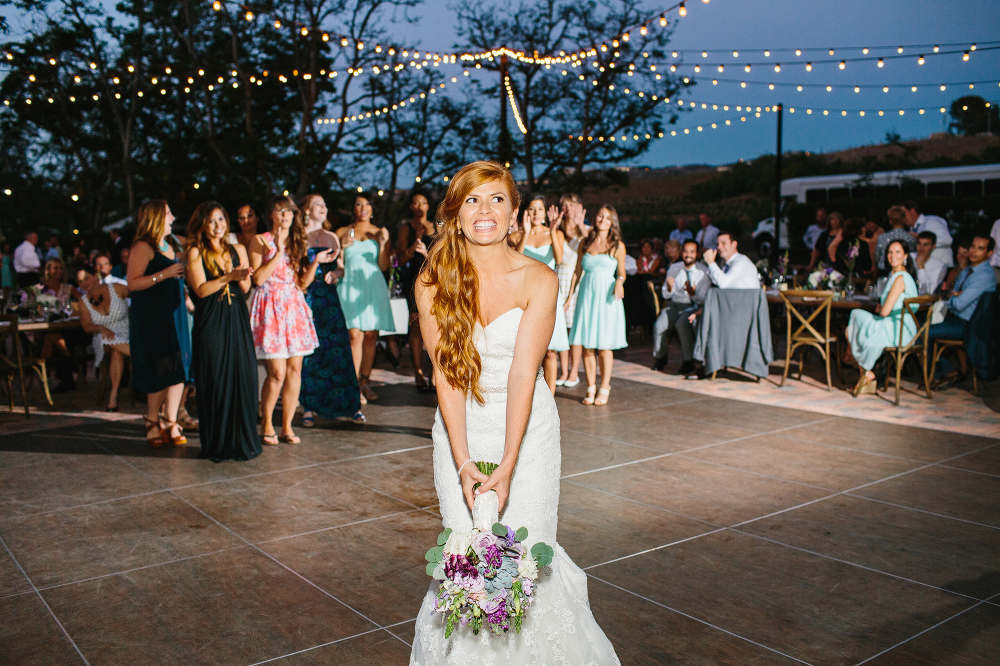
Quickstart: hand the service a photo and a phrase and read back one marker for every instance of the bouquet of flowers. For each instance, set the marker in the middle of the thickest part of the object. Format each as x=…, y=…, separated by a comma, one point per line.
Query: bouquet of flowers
x=487, y=575
x=825, y=278
x=851, y=257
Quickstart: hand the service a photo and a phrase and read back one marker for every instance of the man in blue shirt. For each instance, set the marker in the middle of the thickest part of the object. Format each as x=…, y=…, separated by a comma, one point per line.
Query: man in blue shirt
x=977, y=279
x=681, y=234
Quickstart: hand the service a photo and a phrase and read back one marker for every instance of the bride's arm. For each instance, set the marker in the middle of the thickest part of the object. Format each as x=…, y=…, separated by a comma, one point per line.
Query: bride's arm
x=451, y=401
x=533, y=335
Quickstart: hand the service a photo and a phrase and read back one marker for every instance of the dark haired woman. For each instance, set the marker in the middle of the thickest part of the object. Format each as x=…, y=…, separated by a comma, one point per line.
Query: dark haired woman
x=105, y=311
x=159, y=338
x=224, y=366
x=329, y=380
x=487, y=314
x=599, y=321
x=364, y=294
x=282, y=323
x=412, y=244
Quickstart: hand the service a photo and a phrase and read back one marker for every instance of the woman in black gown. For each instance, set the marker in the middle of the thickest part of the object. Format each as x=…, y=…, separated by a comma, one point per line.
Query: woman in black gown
x=412, y=245
x=224, y=364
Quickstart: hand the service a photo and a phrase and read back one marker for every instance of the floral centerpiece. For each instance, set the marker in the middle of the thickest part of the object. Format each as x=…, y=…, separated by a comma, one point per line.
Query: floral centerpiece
x=825, y=278
x=487, y=575
x=850, y=258
x=33, y=303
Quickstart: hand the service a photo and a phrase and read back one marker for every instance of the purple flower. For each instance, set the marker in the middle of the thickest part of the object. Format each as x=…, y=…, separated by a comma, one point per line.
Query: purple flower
x=459, y=565
x=483, y=541
x=852, y=252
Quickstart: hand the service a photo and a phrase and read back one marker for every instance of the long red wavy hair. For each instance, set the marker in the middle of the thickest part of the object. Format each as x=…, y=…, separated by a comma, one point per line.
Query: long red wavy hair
x=451, y=272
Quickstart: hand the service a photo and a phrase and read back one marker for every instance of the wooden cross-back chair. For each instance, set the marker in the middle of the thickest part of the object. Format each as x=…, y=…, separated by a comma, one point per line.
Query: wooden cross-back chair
x=810, y=332
x=918, y=344
x=13, y=364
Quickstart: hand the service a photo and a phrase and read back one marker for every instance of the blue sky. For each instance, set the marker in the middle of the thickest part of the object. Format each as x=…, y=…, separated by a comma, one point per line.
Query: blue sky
x=751, y=26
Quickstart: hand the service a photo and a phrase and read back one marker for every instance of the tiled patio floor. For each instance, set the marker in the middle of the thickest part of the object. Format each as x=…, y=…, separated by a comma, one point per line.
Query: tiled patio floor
x=714, y=531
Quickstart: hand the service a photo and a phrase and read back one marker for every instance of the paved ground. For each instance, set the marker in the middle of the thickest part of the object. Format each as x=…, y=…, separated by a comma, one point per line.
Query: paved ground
x=714, y=531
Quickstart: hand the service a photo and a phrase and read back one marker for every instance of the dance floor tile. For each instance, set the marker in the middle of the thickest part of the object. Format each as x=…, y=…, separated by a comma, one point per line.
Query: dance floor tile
x=805, y=606
x=584, y=453
x=109, y=537
x=655, y=429
x=595, y=527
x=408, y=475
x=377, y=568
x=321, y=445
x=950, y=492
x=237, y=607
x=967, y=640
x=938, y=551
x=34, y=448
x=12, y=581
x=287, y=503
x=405, y=630
x=897, y=440
x=699, y=490
x=986, y=462
x=654, y=635
x=29, y=636
x=790, y=458
x=376, y=647
x=625, y=397
x=65, y=482
x=733, y=414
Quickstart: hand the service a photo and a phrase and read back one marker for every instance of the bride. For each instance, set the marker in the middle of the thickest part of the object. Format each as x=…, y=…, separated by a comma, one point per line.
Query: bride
x=487, y=314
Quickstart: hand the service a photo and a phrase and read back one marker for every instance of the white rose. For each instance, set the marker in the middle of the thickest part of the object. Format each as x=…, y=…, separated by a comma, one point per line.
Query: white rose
x=527, y=567
x=458, y=543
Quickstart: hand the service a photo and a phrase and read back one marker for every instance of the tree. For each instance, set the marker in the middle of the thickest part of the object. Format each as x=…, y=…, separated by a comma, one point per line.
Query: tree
x=972, y=114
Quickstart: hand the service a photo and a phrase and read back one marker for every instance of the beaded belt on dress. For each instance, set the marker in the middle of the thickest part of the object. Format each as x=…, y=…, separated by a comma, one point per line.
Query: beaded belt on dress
x=495, y=390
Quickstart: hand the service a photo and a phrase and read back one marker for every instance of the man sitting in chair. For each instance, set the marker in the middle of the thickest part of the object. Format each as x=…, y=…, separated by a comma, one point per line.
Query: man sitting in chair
x=738, y=271
x=977, y=279
x=684, y=291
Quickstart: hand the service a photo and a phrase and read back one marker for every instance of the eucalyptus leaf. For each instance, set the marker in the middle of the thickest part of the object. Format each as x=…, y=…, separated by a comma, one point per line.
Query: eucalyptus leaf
x=430, y=568
x=443, y=537
x=434, y=554
x=521, y=534
x=499, y=529
x=542, y=554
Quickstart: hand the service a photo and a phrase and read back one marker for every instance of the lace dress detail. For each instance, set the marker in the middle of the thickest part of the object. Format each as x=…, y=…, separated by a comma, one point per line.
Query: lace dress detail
x=559, y=627
x=116, y=319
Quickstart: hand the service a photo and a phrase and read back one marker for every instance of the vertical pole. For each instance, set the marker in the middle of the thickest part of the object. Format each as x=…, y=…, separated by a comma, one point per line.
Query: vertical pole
x=776, y=247
x=504, y=147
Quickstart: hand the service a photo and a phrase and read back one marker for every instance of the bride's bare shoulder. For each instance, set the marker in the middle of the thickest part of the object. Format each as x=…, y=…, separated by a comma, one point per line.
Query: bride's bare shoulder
x=537, y=279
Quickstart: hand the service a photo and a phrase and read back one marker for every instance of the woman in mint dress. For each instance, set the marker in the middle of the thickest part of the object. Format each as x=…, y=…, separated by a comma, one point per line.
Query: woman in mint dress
x=363, y=292
x=544, y=243
x=599, y=320
x=869, y=334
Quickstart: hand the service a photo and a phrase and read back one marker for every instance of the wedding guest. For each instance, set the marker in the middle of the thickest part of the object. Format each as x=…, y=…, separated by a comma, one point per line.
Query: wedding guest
x=815, y=229
x=897, y=231
x=870, y=234
x=55, y=346
x=281, y=321
x=961, y=263
x=158, y=322
x=869, y=334
x=977, y=279
x=683, y=293
x=120, y=269
x=847, y=247
x=738, y=272
x=918, y=222
x=708, y=236
x=995, y=257
x=930, y=271
x=52, y=249
x=364, y=294
x=572, y=219
x=249, y=224
x=105, y=314
x=102, y=264
x=681, y=233
x=27, y=263
x=599, y=320
x=413, y=242
x=329, y=380
x=672, y=252
x=820, y=251
x=648, y=261
x=224, y=364
x=8, y=278
x=545, y=243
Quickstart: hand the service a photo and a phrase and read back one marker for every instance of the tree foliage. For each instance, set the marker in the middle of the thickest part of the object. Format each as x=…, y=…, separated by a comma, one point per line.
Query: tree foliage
x=973, y=115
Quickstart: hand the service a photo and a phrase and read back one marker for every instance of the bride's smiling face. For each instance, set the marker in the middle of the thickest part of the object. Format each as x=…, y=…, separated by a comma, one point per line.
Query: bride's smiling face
x=486, y=214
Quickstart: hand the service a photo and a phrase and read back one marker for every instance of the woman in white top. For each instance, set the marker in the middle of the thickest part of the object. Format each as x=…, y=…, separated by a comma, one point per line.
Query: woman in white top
x=105, y=312
x=571, y=217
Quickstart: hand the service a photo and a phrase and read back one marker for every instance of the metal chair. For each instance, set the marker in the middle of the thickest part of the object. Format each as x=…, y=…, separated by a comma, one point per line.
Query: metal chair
x=918, y=344
x=15, y=363
x=806, y=335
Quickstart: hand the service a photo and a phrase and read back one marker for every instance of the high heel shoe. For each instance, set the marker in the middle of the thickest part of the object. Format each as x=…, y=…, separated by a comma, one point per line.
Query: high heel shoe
x=602, y=396
x=179, y=440
x=154, y=442
x=367, y=392
x=864, y=386
x=591, y=392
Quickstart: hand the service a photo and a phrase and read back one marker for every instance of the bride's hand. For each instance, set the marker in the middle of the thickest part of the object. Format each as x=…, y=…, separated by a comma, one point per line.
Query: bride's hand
x=500, y=482
x=470, y=476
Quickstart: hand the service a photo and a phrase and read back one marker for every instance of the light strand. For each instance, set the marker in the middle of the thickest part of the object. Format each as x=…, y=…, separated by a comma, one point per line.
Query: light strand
x=513, y=104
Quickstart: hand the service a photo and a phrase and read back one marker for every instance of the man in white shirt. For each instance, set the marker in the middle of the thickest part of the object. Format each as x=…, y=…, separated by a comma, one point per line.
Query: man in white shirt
x=918, y=222
x=27, y=263
x=102, y=264
x=930, y=271
x=683, y=292
x=815, y=230
x=708, y=235
x=738, y=272
x=995, y=257
x=681, y=233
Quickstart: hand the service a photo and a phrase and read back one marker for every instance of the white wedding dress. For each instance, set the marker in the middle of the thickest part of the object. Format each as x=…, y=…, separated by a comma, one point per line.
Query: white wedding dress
x=559, y=627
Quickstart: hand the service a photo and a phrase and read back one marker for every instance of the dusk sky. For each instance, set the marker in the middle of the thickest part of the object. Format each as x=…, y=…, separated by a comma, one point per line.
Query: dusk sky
x=751, y=26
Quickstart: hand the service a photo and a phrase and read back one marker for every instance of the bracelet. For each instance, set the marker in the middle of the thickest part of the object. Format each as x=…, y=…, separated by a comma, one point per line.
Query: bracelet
x=463, y=466
x=154, y=279
x=621, y=278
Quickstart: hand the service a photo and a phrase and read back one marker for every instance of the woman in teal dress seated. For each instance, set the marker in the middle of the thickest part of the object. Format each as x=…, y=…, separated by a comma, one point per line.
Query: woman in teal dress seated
x=545, y=243
x=599, y=321
x=364, y=294
x=869, y=334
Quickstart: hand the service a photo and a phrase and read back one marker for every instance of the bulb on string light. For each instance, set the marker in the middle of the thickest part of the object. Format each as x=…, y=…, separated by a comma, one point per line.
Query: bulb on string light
x=843, y=64
x=972, y=48
x=767, y=54
x=920, y=60
x=965, y=56
x=736, y=54
x=216, y=6
x=746, y=68
x=880, y=63
x=682, y=10
x=248, y=16
x=899, y=50
x=798, y=52
x=831, y=51
x=704, y=54
x=865, y=50
x=809, y=67
x=663, y=22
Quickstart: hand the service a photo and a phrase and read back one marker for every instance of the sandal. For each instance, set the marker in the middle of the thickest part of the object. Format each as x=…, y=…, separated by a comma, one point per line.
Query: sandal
x=155, y=442
x=366, y=391
x=591, y=391
x=179, y=440
x=185, y=420
x=290, y=439
x=308, y=419
x=359, y=417
x=270, y=440
x=602, y=396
